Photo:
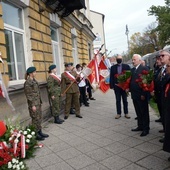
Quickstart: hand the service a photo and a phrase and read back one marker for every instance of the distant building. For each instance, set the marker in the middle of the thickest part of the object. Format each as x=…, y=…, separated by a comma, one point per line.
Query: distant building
x=97, y=20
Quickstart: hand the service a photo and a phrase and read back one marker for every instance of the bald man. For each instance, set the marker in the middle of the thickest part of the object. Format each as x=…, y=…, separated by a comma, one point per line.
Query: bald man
x=119, y=93
x=139, y=97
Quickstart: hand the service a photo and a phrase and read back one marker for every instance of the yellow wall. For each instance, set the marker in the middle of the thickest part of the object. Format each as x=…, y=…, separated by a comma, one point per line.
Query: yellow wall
x=40, y=38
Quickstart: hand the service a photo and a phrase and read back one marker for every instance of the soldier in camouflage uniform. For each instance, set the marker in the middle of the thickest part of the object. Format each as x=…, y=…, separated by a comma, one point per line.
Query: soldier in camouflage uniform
x=54, y=90
x=32, y=92
x=70, y=88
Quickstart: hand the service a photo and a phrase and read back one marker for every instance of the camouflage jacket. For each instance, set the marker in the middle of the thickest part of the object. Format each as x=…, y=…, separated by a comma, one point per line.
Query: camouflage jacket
x=53, y=86
x=32, y=92
x=65, y=82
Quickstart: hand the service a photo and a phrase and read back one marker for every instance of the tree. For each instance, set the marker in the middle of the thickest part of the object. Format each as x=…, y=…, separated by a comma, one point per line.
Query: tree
x=162, y=14
x=146, y=42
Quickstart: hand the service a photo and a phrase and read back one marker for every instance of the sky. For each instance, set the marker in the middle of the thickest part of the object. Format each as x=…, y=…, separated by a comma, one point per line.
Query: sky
x=118, y=13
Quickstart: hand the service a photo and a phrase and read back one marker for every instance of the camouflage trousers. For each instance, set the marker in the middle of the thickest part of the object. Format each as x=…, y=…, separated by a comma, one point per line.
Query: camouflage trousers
x=36, y=117
x=56, y=106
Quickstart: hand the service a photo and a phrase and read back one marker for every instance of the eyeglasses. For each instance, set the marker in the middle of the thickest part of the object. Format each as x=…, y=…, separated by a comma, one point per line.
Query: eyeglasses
x=163, y=55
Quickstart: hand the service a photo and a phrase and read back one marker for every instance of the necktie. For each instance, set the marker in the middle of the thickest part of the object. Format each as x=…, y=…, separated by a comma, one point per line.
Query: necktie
x=119, y=69
x=134, y=69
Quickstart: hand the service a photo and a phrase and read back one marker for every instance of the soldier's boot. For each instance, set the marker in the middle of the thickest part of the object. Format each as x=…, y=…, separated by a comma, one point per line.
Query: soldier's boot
x=61, y=120
x=72, y=112
x=38, y=137
x=57, y=120
x=43, y=134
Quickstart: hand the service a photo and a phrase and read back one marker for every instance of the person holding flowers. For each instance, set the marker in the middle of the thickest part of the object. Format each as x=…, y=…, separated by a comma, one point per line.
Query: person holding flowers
x=166, y=146
x=139, y=97
x=32, y=92
x=116, y=70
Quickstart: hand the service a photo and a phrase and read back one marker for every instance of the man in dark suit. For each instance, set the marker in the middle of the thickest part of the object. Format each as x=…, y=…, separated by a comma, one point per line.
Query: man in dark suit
x=139, y=97
x=160, y=83
x=166, y=145
x=119, y=93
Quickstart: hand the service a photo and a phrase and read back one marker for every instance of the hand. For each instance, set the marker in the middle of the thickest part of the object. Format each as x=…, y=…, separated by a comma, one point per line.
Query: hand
x=62, y=95
x=142, y=97
x=152, y=93
x=127, y=90
x=34, y=109
x=53, y=97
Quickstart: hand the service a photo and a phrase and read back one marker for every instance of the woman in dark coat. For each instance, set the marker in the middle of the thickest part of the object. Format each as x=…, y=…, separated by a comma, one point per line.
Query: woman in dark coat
x=166, y=145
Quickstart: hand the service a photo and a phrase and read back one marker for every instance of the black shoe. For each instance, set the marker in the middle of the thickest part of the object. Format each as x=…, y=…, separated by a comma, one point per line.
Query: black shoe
x=72, y=112
x=61, y=120
x=43, y=134
x=158, y=120
x=161, y=131
x=136, y=118
x=92, y=98
x=169, y=159
x=161, y=140
x=40, y=138
x=87, y=105
x=79, y=116
x=144, y=133
x=65, y=117
x=57, y=120
x=136, y=129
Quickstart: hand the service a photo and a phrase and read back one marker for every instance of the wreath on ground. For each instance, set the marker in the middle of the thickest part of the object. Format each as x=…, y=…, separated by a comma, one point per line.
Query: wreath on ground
x=16, y=145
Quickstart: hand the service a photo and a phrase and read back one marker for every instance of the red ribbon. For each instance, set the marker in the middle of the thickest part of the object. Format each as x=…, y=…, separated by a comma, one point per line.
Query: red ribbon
x=167, y=89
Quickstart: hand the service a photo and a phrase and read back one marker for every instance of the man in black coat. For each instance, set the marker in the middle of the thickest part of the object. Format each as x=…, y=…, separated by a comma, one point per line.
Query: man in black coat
x=139, y=97
x=160, y=84
x=119, y=93
x=166, y=145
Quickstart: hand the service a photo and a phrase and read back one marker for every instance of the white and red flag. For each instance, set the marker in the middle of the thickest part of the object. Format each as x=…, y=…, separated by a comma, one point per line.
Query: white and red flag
x=103, y=74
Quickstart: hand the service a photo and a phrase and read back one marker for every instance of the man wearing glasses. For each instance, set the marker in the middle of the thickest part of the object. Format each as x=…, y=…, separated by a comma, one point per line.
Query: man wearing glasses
x=160, y=84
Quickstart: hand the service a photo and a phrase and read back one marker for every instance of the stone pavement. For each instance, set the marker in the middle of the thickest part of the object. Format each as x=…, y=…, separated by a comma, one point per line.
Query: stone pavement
x=100, y=142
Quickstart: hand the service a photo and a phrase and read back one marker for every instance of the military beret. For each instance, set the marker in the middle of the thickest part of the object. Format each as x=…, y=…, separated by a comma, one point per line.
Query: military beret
x=53, y=66
x=31, y=70
x=68, y=64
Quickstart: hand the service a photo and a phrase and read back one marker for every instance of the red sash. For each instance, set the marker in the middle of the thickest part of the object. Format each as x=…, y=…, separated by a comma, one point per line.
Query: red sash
x=71, y=77
x=167, y=89
x=55, y=77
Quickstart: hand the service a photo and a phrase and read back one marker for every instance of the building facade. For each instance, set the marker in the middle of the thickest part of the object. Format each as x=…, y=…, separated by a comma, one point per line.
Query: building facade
x=39, y=33
x=97, y=20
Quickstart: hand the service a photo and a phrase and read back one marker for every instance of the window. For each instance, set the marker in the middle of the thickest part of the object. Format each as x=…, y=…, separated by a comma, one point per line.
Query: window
x=74, y=50
x=55, y=46
x=74, y=45
x=14, y=34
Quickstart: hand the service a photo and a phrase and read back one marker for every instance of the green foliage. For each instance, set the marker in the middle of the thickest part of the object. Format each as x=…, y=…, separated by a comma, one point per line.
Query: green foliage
x=153, y=105
x=121, y=78
x=162, y=14
x=148, y=78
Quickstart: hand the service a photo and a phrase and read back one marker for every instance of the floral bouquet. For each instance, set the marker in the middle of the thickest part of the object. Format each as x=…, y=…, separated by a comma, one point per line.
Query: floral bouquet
x=145, y=80
x=16, y=144
x=124, y=79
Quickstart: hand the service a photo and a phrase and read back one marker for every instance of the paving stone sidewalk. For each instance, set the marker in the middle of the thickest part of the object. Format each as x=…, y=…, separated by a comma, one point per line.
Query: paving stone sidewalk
x=100, y=142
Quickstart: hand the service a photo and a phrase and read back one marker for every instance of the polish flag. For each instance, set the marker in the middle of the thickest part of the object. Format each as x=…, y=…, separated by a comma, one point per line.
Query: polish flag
x=103, y=74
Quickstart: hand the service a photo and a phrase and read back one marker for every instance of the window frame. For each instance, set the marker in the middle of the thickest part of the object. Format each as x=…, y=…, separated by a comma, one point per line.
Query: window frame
x=21, y=32
x=57, y=43
x=74, y=50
